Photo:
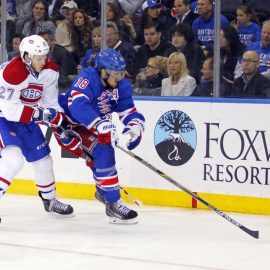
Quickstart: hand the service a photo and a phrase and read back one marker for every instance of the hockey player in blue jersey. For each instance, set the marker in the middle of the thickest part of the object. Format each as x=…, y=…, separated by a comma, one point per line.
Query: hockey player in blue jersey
x=29, y=95
x=88, y=104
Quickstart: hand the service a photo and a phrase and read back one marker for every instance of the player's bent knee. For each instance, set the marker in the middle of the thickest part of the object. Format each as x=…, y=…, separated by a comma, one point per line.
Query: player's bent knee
x=12, y=158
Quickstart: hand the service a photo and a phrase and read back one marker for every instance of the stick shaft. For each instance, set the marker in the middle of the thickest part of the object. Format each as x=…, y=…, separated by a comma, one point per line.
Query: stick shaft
x=252, y=233
x=131, y=197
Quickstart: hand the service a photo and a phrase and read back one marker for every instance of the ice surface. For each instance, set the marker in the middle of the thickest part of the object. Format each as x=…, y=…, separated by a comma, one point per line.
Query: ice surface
x=164, y=239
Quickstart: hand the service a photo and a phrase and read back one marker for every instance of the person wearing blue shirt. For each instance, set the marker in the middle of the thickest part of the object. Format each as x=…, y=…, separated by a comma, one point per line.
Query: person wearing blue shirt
x=248, y=30
x=262, y=48
x=203, y=26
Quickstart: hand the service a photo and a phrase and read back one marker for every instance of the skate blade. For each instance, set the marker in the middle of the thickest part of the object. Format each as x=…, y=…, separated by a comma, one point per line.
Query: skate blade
x=114, y=220
x=56, y=215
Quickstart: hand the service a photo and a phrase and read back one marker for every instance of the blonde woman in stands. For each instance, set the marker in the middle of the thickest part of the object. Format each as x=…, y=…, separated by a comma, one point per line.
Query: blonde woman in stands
x=179, y=83
x=149, y=79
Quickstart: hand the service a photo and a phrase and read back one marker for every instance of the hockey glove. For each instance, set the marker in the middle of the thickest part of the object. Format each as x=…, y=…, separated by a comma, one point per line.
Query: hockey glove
x=49, y=117
x=107, y=132
x=69, y=142
x=134, y=129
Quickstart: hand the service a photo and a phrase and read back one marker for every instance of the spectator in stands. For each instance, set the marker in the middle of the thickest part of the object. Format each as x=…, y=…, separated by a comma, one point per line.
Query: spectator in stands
x=39, y=21
x=91, y=7
x=23, y=13
x=89, y=60
x=154, y=45
x=247, y=25
x=251, y=84
x=183, y=40
x=152, y=14
x=149, y=80
x=179, y=82
x=231, y=51
x=80, y=34
x=15, y=47
x=206, y=86
x=61, y=57
x=125, y=48
x=183, y=12
x=54, y=10
x=62, y=32
x=263, y=50
x=125, y=30
x=203, y=26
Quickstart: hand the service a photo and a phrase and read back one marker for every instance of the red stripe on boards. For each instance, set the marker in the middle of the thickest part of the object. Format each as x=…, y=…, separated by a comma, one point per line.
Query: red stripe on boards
x=194, y=201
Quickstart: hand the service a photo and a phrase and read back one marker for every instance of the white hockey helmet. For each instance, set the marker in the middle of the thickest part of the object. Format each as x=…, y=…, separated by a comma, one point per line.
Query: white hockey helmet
x=33, y=45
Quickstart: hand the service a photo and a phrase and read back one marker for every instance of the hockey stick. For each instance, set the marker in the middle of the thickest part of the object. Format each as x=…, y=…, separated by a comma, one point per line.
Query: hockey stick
x=139, y=203
x=252, y=233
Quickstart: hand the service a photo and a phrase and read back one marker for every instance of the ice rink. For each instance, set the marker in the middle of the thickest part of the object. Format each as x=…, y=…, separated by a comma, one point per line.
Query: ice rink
x=164, y=239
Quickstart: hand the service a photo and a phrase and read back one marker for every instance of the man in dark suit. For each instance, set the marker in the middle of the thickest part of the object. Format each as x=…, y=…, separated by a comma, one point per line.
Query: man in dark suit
x=183, y=12
x=206, y=85
x=251, y=84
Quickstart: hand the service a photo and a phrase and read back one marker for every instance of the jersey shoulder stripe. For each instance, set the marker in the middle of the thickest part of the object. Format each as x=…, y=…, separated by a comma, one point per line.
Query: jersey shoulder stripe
x=15, y=72
x=51, y=65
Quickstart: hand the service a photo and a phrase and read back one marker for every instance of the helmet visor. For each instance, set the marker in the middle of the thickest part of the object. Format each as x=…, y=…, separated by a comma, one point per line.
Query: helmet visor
x=117, y=74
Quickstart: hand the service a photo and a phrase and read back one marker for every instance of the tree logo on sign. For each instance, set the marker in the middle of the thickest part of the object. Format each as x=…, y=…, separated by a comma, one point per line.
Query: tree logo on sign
x=175, y=137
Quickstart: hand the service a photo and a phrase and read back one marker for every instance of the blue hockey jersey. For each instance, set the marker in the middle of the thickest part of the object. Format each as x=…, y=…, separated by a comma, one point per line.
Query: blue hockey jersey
x=87, y=100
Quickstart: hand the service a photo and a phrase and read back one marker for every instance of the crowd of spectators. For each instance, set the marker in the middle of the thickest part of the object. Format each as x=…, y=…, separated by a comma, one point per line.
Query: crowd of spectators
x=167, y=44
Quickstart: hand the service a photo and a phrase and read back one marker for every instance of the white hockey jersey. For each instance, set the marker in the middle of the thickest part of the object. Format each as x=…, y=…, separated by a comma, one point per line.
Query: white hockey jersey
x=21, y=90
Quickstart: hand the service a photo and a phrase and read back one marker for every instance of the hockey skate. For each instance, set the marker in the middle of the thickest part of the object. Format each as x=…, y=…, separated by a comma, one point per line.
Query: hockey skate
x=99, y=197
x=58, y=208
x=120, y=214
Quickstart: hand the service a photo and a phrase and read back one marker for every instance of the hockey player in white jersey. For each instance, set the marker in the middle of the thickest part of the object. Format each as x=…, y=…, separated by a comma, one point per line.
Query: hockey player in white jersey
x=28, y=96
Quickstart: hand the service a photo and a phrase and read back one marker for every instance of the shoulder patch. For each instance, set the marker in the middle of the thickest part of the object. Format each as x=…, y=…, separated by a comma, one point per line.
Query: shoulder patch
x=15, y=72
x=51, y=65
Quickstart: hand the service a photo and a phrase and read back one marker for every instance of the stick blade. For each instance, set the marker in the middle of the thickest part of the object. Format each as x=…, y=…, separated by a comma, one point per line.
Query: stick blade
x=254, y=234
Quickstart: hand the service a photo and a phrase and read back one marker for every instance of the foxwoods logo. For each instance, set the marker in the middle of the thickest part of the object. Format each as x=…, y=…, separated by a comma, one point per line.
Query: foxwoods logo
x=175, y=137
x=236, y=155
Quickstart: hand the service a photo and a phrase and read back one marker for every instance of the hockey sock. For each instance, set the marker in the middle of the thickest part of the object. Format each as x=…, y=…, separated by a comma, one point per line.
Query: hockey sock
x=107, y=183
x=44, y=177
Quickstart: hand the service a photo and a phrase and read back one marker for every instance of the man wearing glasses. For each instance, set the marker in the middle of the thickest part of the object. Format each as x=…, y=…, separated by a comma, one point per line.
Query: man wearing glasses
x=252, y=84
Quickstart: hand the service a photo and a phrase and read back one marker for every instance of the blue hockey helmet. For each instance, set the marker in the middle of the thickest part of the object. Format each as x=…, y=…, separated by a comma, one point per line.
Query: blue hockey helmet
x=110, y=59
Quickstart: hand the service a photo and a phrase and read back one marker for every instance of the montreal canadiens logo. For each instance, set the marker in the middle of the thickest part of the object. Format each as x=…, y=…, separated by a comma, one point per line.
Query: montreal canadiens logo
x=32, y=93
x=175, y=137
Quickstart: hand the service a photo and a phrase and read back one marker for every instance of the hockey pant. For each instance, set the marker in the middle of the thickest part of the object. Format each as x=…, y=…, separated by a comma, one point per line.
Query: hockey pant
x=25, y=140
x=100, y=158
